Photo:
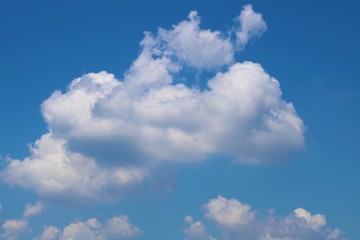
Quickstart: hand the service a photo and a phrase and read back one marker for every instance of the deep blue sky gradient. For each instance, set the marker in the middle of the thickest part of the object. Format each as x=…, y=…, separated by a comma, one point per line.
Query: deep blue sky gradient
x=311, y=47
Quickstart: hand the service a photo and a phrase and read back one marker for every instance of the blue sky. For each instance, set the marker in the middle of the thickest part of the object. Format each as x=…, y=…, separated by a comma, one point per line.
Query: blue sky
x=226, y=120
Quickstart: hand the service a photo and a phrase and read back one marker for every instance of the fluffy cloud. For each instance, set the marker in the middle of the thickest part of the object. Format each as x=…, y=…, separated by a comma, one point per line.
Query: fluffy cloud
x=92, y=229
x=196, y=230
x=312, y=221
x=12, y=229
x=52, y=171
x=49, y=233
x=106, y=135
x=251, y=25
x=235, y=220
x=194, y=46
x=114, y=228
x=228, y=213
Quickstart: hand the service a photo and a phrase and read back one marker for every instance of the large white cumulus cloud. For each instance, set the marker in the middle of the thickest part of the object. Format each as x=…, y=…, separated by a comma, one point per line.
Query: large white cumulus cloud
x=235, y=220
x=106, y=134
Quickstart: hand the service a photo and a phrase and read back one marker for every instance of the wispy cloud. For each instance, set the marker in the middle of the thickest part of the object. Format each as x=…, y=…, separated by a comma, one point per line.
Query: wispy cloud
x=33, y=209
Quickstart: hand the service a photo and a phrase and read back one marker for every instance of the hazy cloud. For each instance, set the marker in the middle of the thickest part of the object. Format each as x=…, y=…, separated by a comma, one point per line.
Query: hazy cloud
x=33, y=209
x=49, y=233
x=13, y=228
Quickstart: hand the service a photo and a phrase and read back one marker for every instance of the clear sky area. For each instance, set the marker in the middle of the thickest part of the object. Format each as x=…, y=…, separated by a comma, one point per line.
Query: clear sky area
x=194, y=120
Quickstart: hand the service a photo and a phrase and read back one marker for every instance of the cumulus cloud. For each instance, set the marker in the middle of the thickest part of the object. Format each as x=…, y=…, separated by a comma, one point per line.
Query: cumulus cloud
x=251, y=24
x=49, y=233
x=235, y=220
x=312, y=221
x=194, y=46
x=53, y=171
x=106, y=135
x=92, y=229
x=13, y=228
x=228, y=213
x=117, y=227
x=196, y=230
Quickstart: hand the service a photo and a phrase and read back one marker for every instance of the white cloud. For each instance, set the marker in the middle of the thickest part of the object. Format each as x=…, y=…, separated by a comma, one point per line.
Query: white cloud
x=119, y=227
x=92, y=229
x=82, y=230
x=33, y=209
x=251, y=25
x=313, y=221
x=106, y=135
x=53, y=171
x=233, y=219
x=228, y=213
x=49, y=233
x=334, y=234
x=13, y=228
x=243, y=110
x=194, y=46
x=196, y=230
x=114, y=228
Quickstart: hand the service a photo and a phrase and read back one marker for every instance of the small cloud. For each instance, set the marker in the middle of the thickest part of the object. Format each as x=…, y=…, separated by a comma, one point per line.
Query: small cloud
x=251, y=24
x=33, y=209
x=194, y=46
x=14, y=228
x=228, y=213
x=92, y=229
x=49, y=233
x=196, y=230
x=313, y=221
x=233, y=219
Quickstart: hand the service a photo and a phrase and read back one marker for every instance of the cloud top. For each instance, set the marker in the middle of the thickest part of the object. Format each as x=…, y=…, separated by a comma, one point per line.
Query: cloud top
x=251, y=25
